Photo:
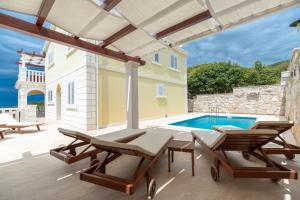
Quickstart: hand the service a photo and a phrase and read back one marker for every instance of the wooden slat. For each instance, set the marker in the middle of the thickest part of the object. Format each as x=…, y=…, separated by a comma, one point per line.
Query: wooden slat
x=184, y=24
x=44, y=11
x=22, y=26
x=110, y=4
x=128, y=29
x=31, y=65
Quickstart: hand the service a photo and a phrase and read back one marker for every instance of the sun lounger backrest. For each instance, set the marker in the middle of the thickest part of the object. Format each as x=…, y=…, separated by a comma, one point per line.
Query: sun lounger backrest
x=6, y=118
x=75, y=134
x=280, y=126
x=147, y=145
x=124, y=135
x=245, y=140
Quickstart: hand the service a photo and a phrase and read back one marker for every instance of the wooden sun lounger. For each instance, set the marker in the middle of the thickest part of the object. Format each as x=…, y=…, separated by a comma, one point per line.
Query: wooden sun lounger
x=289, y=150
x=71, y=153
x=11, y=123
x=148, y=147
x=250, y=141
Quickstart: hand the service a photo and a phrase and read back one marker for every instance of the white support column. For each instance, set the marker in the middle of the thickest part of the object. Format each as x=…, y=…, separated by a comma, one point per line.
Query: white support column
x=132, y=98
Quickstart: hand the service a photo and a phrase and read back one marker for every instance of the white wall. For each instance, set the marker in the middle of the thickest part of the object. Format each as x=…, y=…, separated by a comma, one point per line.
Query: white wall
x=82, y=114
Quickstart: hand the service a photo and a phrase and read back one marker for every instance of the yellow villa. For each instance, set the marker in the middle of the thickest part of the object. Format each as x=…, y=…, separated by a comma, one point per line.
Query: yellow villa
x=92, y=88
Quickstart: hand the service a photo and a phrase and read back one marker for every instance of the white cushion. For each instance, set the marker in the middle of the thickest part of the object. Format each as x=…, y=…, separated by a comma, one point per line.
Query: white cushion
x=150, y=143
x=113, y=136
x=6, y=118
x=210, y=138
x=225, y=128
x=121, y=135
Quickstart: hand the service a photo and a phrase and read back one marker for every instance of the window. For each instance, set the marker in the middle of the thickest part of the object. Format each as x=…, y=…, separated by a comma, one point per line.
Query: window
x=160, y=91
x=71, y=93
x=174, y=64
x=50, y=96
x=156, y=58
x=69, y=51
x=50, y=58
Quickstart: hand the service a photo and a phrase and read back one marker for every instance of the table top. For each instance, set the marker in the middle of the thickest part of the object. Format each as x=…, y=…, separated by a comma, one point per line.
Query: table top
x=181, y=145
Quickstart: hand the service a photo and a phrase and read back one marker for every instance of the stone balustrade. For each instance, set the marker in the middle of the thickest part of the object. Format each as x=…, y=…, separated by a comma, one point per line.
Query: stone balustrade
x=35, y=76
x=32, y=76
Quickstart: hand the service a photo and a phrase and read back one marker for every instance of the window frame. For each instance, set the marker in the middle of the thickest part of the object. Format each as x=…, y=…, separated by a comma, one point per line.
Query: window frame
x=174, y=62
x=159, y=59
x=50, y=55
x=50, y=96
x=160, y=87
x=71, y=93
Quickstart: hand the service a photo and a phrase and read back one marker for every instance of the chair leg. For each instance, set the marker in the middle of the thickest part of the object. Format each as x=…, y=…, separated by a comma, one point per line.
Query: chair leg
x=193, y=163
x=1, y=135
x=38, y=127
x=172, y=153
x=19, y=130
x=169, y=161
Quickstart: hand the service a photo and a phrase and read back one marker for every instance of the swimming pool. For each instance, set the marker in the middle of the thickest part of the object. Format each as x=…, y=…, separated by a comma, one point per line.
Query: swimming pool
x=208, y=121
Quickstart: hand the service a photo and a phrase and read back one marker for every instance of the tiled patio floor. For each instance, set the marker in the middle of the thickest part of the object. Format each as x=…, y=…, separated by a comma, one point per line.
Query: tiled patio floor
x=27, y=171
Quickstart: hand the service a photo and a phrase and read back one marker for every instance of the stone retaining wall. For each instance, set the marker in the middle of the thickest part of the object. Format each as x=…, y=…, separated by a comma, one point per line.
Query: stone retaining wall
x=268, y=99
x=292, y=111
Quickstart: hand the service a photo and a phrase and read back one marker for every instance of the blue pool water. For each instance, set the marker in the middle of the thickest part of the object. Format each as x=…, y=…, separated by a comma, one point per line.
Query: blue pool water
x=208, y=121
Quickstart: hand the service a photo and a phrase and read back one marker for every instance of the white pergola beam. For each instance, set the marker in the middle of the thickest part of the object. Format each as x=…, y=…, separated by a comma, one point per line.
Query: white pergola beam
x=213, y=14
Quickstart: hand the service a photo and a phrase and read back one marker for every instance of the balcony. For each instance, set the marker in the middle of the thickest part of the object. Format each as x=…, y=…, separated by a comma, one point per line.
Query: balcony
x=31, y=76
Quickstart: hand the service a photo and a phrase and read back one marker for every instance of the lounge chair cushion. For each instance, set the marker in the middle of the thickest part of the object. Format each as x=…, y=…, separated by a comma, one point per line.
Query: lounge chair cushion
x=150, y=143
x=8, y=120
x=272, y=123
x=113, y=136
x=252, y=131
x=224, y=128
x=121, y=135
x=74, y=134
x=210, y=138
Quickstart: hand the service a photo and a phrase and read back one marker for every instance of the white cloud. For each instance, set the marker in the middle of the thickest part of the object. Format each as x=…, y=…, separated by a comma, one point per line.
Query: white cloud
x=8, y=71
x=15, y=41
x=269, y=39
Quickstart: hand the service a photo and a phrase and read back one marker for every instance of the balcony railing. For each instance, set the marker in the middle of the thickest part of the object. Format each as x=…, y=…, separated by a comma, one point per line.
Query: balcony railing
x=32, y=76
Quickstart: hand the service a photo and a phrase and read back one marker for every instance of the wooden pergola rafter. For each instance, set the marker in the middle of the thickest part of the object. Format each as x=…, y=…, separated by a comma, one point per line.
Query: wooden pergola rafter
x=31, y=65
x=126, y=26
x=43, y=12
x=110, y=4
x=118, y=35
x=28, y=28
x=38, y=30
x=184, y=24
x=31, y=54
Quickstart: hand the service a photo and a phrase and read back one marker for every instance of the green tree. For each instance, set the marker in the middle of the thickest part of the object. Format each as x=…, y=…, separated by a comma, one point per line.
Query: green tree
x=222, y=77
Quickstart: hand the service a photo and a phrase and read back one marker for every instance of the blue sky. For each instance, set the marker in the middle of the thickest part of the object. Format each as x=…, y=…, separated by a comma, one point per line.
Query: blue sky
x=269, y=39
x=10, y=42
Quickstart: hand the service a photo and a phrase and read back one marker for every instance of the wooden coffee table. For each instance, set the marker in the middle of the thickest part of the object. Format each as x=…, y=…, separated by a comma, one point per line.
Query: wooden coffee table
x=181, y=146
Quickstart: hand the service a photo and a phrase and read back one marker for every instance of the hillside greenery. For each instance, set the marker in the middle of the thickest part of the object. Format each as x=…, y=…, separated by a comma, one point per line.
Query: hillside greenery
x=222, y=77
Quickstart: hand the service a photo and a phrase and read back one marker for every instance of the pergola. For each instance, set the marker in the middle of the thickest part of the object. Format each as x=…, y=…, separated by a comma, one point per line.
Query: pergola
x=133, y=27
x=31, y=59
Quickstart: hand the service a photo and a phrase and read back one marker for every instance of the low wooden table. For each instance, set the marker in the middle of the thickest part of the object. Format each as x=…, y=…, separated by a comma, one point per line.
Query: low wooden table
x=181, y=146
